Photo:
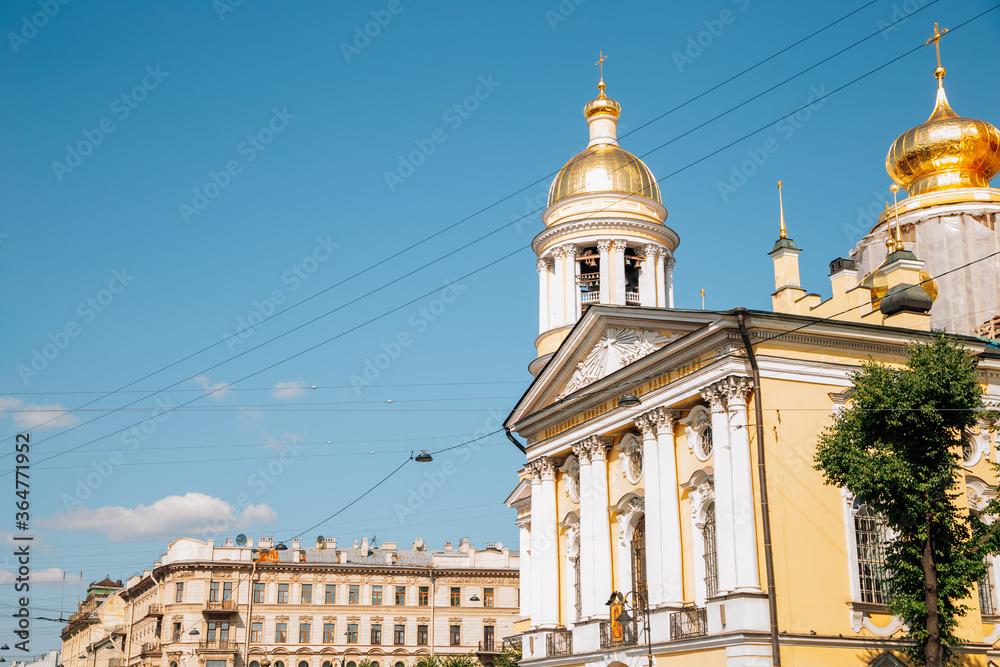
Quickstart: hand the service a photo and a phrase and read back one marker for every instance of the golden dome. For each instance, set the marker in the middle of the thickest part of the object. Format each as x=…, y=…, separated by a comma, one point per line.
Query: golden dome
x=604, y=168
x=946, y=152
x=602, y=104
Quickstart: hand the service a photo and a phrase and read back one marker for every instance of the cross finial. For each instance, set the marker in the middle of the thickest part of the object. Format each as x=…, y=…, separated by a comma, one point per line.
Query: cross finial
x=600, y=63
x=782, y=230
x=938, y=34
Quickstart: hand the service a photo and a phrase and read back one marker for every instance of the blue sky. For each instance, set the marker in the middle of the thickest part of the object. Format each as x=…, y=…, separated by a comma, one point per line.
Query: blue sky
x=173, y=172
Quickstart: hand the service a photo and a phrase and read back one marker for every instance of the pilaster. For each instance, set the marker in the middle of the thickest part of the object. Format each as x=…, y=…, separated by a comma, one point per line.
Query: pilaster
x=735, y=389
x=724, y=538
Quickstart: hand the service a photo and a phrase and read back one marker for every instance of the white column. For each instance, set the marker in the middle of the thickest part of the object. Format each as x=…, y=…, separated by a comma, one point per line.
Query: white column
x=535, y=610
x=670, y=511
x=604, y=247
x=572, y=293
x=549, y=544
x=619, y=272
x=745, y=526
x=661, y=283
x=544, y=266
x=558, y=301
x=576, y=291
x=525, y=582
x=602, y=525
x=587, y=597
x=668, y=264
x=647, y=279
x=724, y=539
x=652, y=488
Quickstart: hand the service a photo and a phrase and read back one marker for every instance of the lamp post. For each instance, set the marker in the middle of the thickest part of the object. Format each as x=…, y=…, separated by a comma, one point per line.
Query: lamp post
x=637, y=604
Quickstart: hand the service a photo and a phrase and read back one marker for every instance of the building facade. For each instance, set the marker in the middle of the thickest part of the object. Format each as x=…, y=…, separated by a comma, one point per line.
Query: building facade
x=651, y=448
x=241, y=605
x=95, y=634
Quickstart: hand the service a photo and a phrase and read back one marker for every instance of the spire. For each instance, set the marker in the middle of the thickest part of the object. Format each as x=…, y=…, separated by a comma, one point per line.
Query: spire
x=602, y=113
x=783, y=232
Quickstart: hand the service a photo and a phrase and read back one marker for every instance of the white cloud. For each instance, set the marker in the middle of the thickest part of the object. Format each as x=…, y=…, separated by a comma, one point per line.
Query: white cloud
x=218, y=390
x=288, y=390
x=250, y=419
x=35, y=415
x=282, y=442
x=50, y=575
x=168, y=518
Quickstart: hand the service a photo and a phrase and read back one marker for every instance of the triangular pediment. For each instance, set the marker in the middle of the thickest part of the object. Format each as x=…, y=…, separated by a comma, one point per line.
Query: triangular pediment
x=606, y=340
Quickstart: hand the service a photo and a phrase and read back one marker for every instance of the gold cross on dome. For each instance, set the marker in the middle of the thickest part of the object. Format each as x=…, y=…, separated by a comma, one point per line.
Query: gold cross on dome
x=600, y=63
x=938, y=34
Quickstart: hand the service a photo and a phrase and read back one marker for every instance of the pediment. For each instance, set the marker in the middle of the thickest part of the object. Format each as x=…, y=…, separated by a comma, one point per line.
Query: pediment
x=605, y=341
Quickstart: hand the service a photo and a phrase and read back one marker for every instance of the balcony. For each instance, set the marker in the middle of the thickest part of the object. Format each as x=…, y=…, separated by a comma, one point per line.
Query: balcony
x=218, y=645
x=220, y=607
x=629, y=637
x=631, y=298
x=488, y=646
x=116, y=662
x=149, y=649
x=559, y=642
x=154, y=610
x=686, y=623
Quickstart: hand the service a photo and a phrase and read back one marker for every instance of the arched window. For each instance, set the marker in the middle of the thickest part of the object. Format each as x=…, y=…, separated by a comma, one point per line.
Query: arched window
x=279, y=663
x=253, y=663
x=871, y=538
x=352, y=664
x=303, y=663
x=399, y=664
x=711, y=560
x=327, y=663
x=639, y=556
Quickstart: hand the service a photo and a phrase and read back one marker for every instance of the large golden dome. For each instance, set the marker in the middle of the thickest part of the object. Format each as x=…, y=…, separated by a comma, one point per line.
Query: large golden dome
x=946, y=152
x=604, y=168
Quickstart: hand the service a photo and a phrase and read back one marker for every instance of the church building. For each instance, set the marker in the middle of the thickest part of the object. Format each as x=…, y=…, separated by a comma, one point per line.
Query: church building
x=670, y=451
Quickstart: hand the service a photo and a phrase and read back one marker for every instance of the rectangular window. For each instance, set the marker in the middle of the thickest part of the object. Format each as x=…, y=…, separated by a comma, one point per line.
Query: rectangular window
x=307, y=594
x=487, y=597
x=213, y=591
x=215, y=663
x=280, y=633
x=400, y=595
x=986, y=605
x=423, y=595
x=376, y=595
x=376, y=633
x=354, y=595
x=399, y=635
x=421, y=635
x=177, y=632
x=456, y=596
x=329, y=633
x=331, y=594
x=489, y=637
x=212, y=628
x=456, y=635
x=282, y=593
x=872, y=537
x=352, y=633
x=258, y=592
x=223, y=633
x=179, y=593
x=227, y=591
x=304, y=631
x=256, y=632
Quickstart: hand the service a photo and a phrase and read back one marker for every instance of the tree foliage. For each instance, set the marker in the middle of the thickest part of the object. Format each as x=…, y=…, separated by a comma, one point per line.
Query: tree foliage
x=898, y=447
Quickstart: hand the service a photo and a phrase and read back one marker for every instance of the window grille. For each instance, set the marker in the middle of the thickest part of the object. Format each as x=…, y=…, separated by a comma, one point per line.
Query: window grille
x=871, y=536
x=986, y=605
x=711, y=556
x=639, y=557
x=577, y=591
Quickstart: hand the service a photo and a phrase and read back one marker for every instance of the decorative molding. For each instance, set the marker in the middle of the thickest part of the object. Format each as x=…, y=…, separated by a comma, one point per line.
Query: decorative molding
x=604, y=245
x=627, y=514
x=616, y=349
x=543, y=264
x=735, y=388
x=571, y=472
x=631, y=458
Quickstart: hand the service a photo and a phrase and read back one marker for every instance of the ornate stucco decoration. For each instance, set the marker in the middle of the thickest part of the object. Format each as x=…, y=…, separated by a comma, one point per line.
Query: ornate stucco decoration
x=627, y=516
x=616, y=349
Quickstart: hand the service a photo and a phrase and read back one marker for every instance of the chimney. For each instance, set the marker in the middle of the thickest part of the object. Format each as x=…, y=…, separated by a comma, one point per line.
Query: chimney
x=447, y=545
x=389, y=546
x=472, y=555
x=296, y=543
x=506, y=556
x=355, y=543
x=463, y=545
x=364, y=545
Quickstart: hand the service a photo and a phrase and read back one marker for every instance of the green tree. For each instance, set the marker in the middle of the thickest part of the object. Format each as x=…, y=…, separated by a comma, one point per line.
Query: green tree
x=897, y=446
x=509, y=656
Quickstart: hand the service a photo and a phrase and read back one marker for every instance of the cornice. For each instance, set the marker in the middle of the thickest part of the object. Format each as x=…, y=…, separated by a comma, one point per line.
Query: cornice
x=603, y=224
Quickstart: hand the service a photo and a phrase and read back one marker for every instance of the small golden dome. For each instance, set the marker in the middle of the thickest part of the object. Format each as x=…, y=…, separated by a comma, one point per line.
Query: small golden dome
x=602, y=104
x=946, y=152
x=604, y=168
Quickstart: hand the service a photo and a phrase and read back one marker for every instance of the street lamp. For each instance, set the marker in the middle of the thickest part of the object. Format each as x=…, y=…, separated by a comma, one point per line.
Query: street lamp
x=637, y=604
x=474, y=598
x=281, y=547
x=628, y=401
x=423, y=457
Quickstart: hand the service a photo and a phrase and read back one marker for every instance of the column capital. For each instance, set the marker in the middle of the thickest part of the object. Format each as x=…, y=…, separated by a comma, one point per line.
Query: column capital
x=542, y=469
x=646, y=424
x=735, y=389
x=713, y=394
x=570, y=250
x=620, y=244
x=651, y=250
x=543, y=264
x=582, y=451
x=669, y=262
x=596, y=447
x=665, y=419
x=604, y=245
x=559, y=252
